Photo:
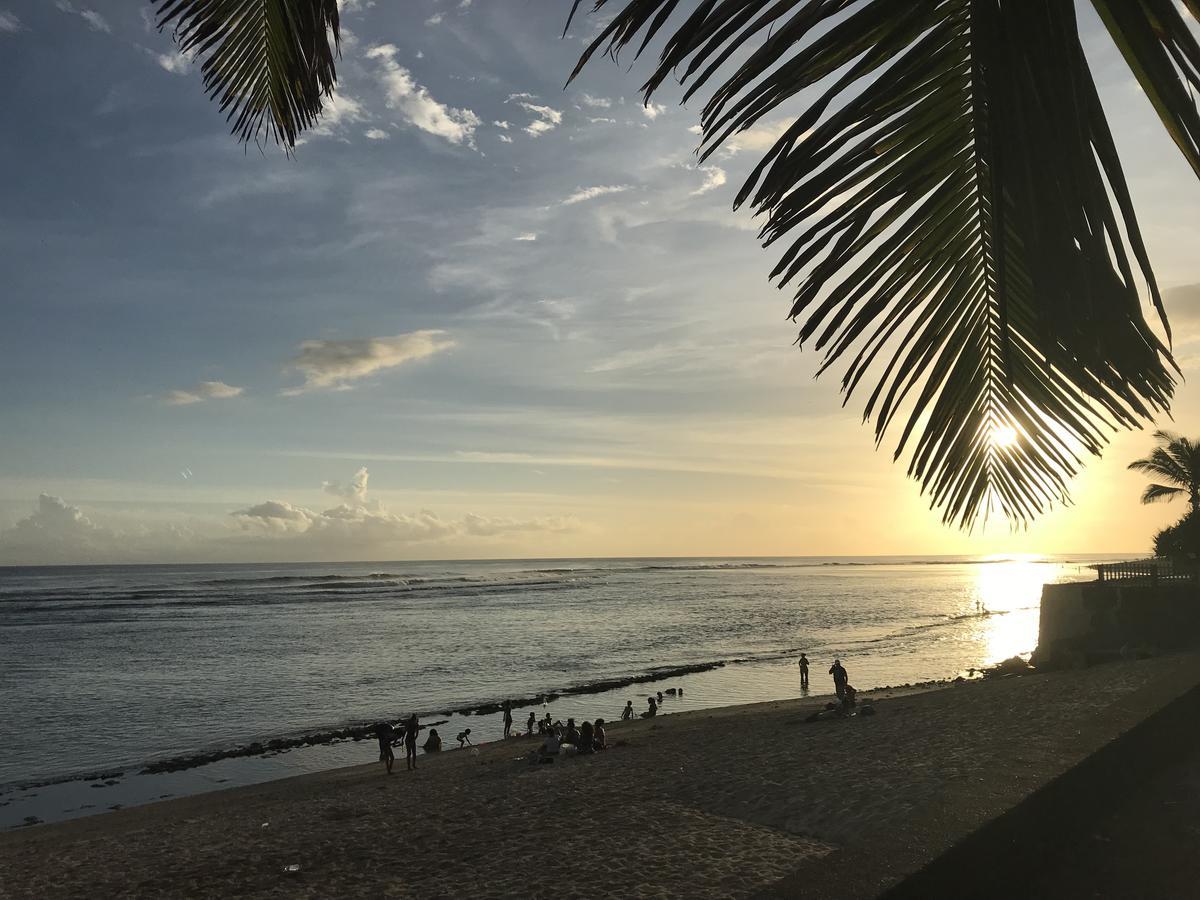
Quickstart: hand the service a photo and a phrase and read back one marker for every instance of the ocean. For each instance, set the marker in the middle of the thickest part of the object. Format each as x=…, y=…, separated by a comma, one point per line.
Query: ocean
x=105, y=670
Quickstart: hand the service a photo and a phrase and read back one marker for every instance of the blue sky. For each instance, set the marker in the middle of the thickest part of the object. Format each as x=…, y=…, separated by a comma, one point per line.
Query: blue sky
x=524, y=311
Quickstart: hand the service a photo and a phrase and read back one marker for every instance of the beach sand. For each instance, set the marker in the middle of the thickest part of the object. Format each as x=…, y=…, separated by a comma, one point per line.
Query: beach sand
x=717, y=803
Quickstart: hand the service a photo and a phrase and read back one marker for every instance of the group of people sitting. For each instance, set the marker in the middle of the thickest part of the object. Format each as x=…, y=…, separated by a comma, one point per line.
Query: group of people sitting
x=558, y=739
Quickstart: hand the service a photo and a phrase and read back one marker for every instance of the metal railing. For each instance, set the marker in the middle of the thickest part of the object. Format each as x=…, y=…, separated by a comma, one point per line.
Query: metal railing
x=1151, y=571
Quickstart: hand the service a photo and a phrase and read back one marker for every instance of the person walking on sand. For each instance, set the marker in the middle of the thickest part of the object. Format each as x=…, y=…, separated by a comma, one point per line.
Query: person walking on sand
x=507, y=719
x=803, y=672
x=386, y=733
x=411, y=729
x=839, y=678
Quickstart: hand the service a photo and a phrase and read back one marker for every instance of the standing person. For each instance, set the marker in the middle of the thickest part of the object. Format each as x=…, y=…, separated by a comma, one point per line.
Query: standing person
x=839, y=678
x=386, y=733
x=627, y=712
x=411, y=729
x=507, y=719
x=803, y=672
x=529, y=726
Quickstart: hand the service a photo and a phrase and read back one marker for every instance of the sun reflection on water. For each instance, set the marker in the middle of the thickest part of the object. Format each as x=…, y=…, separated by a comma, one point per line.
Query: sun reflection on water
x=1007, y=597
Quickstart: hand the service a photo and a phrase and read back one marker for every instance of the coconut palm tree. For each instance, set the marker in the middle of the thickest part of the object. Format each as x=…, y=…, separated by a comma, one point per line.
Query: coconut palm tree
x=1176, y=460
x=955, y=223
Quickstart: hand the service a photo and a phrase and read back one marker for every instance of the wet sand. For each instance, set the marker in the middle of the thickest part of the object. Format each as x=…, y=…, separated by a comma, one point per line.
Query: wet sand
x=732, y=802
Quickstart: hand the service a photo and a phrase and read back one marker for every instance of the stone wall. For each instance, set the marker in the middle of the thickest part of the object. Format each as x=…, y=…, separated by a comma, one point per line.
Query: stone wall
x=1092, y=620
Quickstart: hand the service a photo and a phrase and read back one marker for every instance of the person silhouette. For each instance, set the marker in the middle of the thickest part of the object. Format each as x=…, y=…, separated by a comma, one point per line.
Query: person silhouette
x=412, y=728
x=839, y=678
x=803, y=672
x=627, y=712
x=507, y=719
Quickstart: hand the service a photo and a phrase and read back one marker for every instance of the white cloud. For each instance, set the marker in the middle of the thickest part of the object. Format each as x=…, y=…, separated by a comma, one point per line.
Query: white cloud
x=545, y=118
x=527, y=236
x=338, y=113
x=601, y=120
x=588, y=193
x=501, y=124
x=355, y=490
x=505, y=139
x=176, y=63
x=363, y=523
x=205, y=390
x=9, y=23
x=95, y=21
x=714, y=177
x=376, y=134
x=335, y=364
x=415, y=103
x=524, y=95
x=435, y=19
x=653, y=110
x=599, y=102
x=760, y=137
x=696, y=129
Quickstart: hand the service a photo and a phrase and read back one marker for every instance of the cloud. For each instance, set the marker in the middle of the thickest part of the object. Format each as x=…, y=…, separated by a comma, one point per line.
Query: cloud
x=598, y=102
x=95, y=21
x=362, y=522
x=337, y=113
x=355, y=490
x=205, y=390
x=524, y=95
x=601, y=120
x=527, y=236
x=335, y=364
x=653, y=110
x=505, y=139
x=545, y=118
x=695, y=129
x=760, y=137
x=588, y=193
x=376, y=134
x=501, y=124
x=714, y=177
x=9, y=24
x=415, y=103
x=176, y=63
x=435, y=19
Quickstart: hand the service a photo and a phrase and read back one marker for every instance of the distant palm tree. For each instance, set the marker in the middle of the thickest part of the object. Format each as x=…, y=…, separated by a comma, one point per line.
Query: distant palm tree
x=961, y=229
x=1175, y=460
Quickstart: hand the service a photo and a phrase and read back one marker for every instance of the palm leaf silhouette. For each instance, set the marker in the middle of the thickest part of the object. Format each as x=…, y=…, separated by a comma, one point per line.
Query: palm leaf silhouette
x=959, y=234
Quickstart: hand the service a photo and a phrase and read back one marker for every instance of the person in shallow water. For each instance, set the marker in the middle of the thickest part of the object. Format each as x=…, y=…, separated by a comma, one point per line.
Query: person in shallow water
x=839, y=678
x=433, y=743
x=386, y=733
x=652, y=709
x=803, y=672
x=531, y=723
x=411, y=729
x=507, y=719
x=627, y=712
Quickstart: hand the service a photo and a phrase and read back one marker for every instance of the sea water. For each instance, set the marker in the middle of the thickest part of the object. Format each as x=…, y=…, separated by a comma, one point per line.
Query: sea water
x=110, y=667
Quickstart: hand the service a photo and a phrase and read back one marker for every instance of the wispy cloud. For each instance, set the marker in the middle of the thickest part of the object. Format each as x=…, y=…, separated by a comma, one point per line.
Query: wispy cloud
x=435, y=19
x=589, y=193
x=545, y=119
x=337, y=364
x=714, y=177
x=598, y=102
x=176, y=63
x=527, y=236
x=376, y=134
x=95, y=21
x=9, y=24
x=415, y=103
x=653, y=110
x=205, y=390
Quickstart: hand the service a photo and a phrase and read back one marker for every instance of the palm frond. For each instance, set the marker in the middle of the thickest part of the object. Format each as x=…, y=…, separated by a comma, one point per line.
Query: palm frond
x=268, y=63
x=1156, y=492
x=1162, y=464
x=946, y=196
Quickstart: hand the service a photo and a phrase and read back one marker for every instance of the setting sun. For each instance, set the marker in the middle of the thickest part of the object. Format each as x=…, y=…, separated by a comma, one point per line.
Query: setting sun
x=1003, y=436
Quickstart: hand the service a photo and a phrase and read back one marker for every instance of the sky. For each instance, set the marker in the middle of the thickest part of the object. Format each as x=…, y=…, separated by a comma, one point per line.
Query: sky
x=476, y=315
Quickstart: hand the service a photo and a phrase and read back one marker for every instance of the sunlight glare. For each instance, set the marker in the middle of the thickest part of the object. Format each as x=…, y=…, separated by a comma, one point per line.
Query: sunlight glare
x=1003, y=436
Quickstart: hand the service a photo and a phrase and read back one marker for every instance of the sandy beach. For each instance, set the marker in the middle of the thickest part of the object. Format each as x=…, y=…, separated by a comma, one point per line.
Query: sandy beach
x=718, y=803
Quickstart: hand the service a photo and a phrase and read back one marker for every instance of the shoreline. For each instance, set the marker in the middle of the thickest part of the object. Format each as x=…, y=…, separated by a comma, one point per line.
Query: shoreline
x=704, y=803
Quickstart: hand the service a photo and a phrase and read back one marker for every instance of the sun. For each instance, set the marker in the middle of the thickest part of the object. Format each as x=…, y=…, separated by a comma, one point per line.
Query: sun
x=1003, y=436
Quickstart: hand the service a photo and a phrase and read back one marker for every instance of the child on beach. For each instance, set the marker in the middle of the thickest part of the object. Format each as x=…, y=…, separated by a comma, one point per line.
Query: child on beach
x=627, y=712
x=601, y=738
x=507, y=719
x=530, y=724
x=653, y=708
x=433, y=743
x=464, y=738
x=385, y=732
x=411, y=729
